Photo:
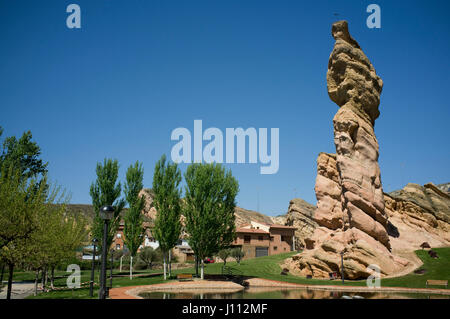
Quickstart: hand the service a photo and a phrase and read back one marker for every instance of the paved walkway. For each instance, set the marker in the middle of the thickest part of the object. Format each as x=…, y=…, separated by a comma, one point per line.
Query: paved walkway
x=20, y=290
x=198, y=285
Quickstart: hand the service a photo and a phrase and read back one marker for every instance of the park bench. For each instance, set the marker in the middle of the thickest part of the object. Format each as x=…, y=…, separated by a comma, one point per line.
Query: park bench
x=184, y=277
x=437, y=283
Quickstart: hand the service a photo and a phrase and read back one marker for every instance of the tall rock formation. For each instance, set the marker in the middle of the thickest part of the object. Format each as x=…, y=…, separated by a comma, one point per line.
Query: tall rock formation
x=350, y=202
x=300, y=215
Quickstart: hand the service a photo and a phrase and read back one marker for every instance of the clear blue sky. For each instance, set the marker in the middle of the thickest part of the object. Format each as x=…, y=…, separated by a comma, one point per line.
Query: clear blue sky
x=136, y=70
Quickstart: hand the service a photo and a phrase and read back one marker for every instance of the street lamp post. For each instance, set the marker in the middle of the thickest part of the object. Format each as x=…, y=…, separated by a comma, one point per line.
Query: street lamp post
x=91, y=284
x=106, y=213
x=111, y=272
x=342, y=266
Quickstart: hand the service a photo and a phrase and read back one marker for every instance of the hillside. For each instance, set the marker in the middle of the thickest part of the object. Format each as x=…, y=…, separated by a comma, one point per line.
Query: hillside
x=243, y=216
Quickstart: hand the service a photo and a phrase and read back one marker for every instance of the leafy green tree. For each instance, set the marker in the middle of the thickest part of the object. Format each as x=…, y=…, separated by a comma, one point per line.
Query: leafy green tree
x=23, y=191
x=21, y=173
x=237, y=253
x=209, y=209
x=148, y=256
x=106, y=191
x=166, y=180
x=133, y=230
x=224, y=254
x=22, y=154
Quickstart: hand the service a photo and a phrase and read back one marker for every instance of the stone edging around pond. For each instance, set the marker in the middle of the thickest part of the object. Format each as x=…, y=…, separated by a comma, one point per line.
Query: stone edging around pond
x=187, y=286
x=230, y=287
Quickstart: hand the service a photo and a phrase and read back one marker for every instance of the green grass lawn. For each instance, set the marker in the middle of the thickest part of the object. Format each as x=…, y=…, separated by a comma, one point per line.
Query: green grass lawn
x=268, y=268
x=435, y=269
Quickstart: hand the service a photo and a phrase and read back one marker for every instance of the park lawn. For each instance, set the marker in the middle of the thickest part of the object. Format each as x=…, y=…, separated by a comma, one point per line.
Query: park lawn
x=438, y=269
x=83, y=293
x=269, y=268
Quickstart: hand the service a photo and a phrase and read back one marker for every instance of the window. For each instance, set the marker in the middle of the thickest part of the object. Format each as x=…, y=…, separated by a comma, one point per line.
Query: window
x=119, y=235
x=118, y=247
x=247, y=239
x=260, y=238
x=271, y=238
x=275, y=248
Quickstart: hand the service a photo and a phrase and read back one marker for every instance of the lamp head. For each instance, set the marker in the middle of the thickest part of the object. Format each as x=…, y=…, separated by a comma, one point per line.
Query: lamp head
x=107, y=212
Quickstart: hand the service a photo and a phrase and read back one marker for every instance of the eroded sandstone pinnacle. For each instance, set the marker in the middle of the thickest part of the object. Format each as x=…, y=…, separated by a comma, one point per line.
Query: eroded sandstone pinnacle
x=350, y=204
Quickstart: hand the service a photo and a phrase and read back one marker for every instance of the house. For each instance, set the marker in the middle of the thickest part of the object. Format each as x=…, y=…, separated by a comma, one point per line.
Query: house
x=261, y=239
x=182, y=250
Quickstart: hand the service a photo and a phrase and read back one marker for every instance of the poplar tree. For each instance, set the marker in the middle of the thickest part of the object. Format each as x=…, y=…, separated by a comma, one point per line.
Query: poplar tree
x=209, y=209
x=106, y=191
x=166, y=181
x=133, y=230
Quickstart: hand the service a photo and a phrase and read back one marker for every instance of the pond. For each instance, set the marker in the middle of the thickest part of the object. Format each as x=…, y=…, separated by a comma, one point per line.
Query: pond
x=277, y=293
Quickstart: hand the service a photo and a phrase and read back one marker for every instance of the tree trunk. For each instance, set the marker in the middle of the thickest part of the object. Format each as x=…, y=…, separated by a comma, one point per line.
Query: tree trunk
x=36, y=280
x=46, y=277
x=131, y=267
x=52, y=278
x=43, y=279
x=3, y=271
x=164, y=265
x=202, y=271
x=10, y=280
x=196, y=266
x=170, y=263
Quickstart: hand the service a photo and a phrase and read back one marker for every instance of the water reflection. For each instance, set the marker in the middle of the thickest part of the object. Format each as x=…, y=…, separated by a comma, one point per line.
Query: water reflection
x=277, y=293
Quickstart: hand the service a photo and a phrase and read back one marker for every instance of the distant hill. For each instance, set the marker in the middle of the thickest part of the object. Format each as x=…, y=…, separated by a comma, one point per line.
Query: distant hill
x=444, y=187
x=243, y=216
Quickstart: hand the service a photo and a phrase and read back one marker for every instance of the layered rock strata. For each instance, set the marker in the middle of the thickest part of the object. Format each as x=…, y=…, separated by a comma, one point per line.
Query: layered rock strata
x=301, y=215
x=350, y=202
x=418, y=214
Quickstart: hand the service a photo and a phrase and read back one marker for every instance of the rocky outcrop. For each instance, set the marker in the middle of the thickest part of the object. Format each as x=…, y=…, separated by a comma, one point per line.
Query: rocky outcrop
x=242, y=216
x=328, y=193
x=350, y=201
x=300, y=215
x=418, y=214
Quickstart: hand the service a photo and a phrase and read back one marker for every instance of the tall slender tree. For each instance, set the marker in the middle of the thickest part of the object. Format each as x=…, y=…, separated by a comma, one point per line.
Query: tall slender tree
x=133, y=229
x=209, y=209
x=166, y=181
x=104, y=191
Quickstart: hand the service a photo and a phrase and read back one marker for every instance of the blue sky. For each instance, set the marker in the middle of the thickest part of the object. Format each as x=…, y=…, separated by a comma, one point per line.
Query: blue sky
x=138, y=69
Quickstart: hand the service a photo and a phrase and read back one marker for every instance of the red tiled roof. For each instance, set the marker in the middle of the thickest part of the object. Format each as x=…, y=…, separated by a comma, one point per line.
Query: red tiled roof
x=282, y=226
x=248, y=230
